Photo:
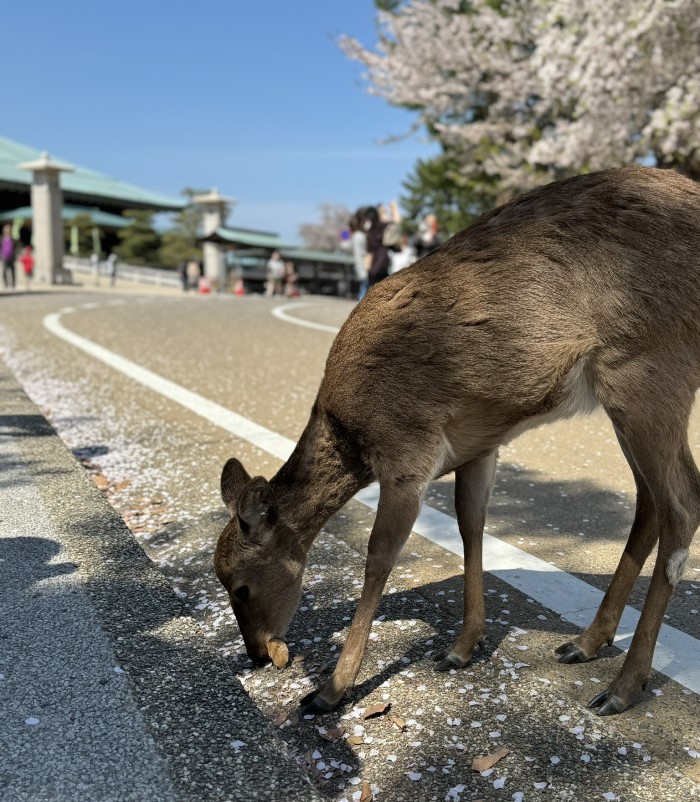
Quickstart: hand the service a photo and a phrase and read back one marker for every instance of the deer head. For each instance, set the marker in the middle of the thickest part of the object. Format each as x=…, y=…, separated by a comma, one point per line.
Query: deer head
x=258, y=560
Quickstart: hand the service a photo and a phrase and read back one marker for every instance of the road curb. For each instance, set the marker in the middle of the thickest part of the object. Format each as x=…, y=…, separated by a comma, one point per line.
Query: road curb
x=210, y=741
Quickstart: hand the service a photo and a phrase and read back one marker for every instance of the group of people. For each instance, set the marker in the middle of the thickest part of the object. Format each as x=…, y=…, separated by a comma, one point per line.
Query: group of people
x=380, y=246
x=281, y=277
x=11, y=252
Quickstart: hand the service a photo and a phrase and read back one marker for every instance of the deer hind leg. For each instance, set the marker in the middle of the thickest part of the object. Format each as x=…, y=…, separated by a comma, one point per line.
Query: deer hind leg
x=641, y=541
x=660, y=449
x=396, y=513
x=473, y=485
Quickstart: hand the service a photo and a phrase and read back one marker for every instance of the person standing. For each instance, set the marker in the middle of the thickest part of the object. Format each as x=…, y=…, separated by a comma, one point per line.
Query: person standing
x=403, y=258
x=27, y=261
x=290, y=280
x=428, y=238
x=112, y=268
x=358, y=245
x=8, y=253
x=193, y=274
x=182, y=274
x=275, y=274
x=95, y=266
x=376, y=223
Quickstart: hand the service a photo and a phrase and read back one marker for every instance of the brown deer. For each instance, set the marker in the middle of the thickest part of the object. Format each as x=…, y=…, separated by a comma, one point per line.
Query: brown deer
x=580, y=293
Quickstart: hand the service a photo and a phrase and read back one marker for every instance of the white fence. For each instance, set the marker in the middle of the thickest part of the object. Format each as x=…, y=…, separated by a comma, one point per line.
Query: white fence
x=125, y=272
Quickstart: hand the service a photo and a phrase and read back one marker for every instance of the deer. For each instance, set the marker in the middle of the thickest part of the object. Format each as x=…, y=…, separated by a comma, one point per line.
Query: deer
x=580, y=294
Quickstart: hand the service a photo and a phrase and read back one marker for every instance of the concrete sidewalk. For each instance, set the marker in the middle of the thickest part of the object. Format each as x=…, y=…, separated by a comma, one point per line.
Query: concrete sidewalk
x=107, y=691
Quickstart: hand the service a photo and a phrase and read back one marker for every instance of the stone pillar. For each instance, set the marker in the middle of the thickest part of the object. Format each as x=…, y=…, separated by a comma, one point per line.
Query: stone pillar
x=215, y=208
x=47, y=223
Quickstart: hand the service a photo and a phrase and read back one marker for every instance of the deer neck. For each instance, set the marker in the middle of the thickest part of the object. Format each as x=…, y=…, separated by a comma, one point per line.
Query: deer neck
x=323, y=473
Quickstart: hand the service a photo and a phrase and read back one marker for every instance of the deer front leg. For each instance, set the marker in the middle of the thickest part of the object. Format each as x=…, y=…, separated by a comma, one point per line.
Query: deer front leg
x=396, y=514
x=473, y=485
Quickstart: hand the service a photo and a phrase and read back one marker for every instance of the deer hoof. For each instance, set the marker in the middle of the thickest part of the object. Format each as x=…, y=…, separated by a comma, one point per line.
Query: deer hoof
x=314, y=704
x=608, y=703
x=571, y=653
x=449, y=661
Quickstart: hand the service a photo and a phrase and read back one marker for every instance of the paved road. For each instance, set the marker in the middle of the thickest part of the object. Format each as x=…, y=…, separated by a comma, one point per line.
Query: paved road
x=564, y=498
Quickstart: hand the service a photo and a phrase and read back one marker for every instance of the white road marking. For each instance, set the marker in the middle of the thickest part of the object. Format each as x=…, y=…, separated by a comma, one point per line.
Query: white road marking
x=281, y=313
x=677, y=654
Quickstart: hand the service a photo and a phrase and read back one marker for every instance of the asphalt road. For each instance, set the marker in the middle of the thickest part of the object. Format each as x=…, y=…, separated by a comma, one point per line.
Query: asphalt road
x=563, y=495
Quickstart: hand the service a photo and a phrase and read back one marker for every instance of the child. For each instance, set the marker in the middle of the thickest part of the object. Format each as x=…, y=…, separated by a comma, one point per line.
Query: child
x=27, y=261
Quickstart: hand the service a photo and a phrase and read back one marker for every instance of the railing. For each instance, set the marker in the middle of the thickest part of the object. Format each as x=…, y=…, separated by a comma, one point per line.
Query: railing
x=125, y=272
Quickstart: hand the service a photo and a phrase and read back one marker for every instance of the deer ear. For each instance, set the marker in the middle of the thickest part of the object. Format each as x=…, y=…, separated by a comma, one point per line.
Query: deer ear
x=234, y=478
x=257, y=510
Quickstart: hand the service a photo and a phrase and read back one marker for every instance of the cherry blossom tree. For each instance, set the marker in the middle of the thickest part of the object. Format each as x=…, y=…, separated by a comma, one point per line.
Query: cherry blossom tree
x=525, y=91
x=325, y=235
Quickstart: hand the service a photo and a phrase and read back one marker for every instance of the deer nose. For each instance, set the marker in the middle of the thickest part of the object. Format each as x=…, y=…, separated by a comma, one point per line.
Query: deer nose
x=260, y=657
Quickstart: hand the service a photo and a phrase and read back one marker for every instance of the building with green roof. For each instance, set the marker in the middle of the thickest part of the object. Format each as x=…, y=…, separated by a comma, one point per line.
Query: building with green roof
x=247, y=253
x=46, y=194
x=42, y=194
x=81, y=186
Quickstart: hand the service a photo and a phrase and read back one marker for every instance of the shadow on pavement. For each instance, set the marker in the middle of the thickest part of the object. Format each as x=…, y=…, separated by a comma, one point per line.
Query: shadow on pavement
x=191, y=701
x=25, y=425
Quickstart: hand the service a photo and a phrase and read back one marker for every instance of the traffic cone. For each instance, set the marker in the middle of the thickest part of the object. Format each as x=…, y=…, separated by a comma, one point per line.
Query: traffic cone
x=204, y=286
x=239, y=289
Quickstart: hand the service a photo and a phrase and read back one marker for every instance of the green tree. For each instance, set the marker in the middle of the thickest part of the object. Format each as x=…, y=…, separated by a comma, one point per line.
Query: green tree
x=84, y=225
x=180, y=242
x=139, y=242
x=438, y=186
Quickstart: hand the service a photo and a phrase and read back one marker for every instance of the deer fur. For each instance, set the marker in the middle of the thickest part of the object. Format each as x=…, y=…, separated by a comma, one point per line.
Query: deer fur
x=585, y=292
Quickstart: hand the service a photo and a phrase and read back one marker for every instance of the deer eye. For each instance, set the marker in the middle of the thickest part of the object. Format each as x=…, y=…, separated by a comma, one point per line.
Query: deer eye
x=242, y=593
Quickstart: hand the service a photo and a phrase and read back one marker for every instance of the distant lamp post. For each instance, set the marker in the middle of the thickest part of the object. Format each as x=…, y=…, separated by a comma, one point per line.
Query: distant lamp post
x=215, y=208
x=96, y=241
x=47, y=226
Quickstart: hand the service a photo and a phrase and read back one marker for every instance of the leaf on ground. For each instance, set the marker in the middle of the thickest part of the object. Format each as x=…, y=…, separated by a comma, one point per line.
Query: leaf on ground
x=356, y=740
x=334, y=734
x=278, y=651
x=279, y=720
x=376, y=710
x=366, y=795
x=397, y=721
x=485, y=762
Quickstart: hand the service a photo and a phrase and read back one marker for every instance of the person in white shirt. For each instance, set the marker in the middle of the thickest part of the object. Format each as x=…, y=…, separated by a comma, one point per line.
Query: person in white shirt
x=403, y=258
x=275, y=274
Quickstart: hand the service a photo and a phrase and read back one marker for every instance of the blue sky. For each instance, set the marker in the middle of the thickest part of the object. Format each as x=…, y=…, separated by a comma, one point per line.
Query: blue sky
x=252, y=97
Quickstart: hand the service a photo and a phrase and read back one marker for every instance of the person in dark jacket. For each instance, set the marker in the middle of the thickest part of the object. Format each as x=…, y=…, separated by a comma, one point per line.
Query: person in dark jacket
x=8, y=254
x=376, y=224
